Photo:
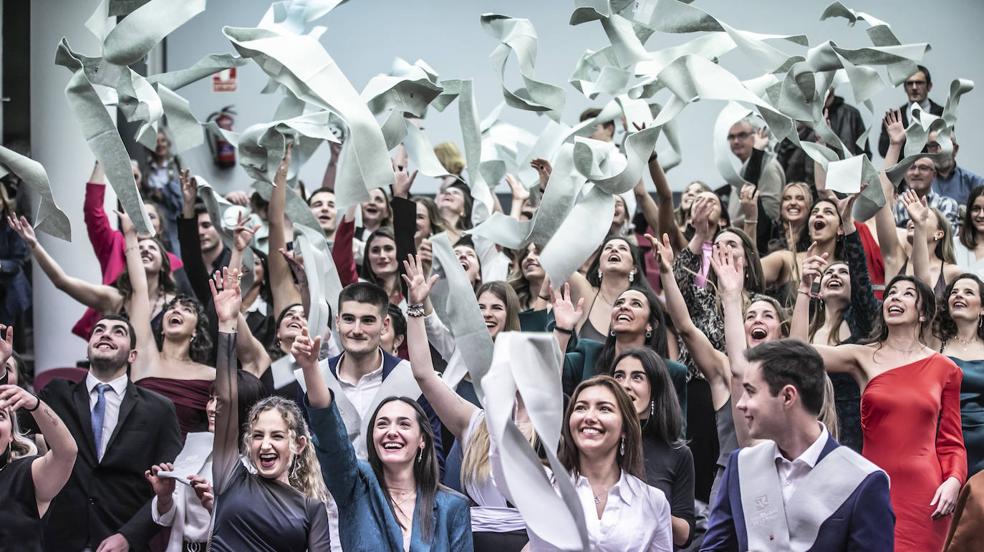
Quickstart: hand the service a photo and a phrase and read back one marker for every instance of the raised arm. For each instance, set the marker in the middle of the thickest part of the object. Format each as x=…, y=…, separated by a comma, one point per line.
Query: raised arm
x=666, y=221
x=328, y=181
x=888, y=238
x=812, y=268
x=225, y=451
x=919, y=213
x=519, y=196
x=253, y=357
x=104, y=299
x=191, y=246
x=566, y=315
x=51, y=471
x=139, y=306
x=341, y=249
x=453, y=411
x=404, y=215
x=281, y=283
x=712, y=363
x=101, y=233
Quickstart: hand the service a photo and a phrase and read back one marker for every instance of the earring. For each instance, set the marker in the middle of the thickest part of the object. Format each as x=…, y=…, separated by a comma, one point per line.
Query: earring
x=621, y=448
x=649, y=333
x=612, y=333
x=652, y=409
x=631, y=276
x=420, y=455
x=599, y=274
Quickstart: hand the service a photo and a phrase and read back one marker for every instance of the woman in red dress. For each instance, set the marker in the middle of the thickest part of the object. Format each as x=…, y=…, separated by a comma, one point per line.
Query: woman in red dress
x=910, y=414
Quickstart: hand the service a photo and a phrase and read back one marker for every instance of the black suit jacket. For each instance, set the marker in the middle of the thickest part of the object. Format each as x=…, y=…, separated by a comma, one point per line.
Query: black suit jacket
x=112, y=496
x=934, y=108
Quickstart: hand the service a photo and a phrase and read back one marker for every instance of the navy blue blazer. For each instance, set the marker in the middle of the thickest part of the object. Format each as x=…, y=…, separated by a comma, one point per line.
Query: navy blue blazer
x=864, y=523
x=365, y=517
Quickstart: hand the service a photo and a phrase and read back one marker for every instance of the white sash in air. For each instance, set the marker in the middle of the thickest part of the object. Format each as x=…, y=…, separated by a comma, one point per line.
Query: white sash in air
x=774, y=526
x=398, y=383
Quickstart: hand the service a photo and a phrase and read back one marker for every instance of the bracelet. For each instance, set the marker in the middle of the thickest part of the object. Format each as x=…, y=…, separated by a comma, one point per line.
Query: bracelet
x=807, y=293
x=547, y=299
x=751, y=221
x=564, y=331
x=36, y=406
x=415, y=311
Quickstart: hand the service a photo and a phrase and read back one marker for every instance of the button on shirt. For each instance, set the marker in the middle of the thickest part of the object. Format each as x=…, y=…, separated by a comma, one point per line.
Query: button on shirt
x=792, y=472
x=113, y=397
x=362, y=392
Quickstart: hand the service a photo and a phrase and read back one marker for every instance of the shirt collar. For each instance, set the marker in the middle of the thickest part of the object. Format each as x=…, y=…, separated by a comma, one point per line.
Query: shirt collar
x=375, y=374
x=811, y=455
x=626, y=488
x=118, y=384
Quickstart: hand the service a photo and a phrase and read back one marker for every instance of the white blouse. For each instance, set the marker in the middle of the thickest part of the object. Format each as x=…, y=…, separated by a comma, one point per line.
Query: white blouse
x=967, y=260
x=492, y=514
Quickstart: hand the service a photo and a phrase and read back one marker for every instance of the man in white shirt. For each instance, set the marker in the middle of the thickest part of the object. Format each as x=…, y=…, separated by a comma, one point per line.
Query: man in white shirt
x=121, y=430
x=799, y=489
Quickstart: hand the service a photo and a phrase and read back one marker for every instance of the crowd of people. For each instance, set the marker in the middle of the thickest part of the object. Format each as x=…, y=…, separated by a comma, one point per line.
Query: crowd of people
x=744, y=368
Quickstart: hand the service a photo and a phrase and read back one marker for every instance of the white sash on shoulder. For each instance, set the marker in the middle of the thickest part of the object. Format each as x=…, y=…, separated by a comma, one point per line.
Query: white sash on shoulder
x=398, y=383
x=773, y=525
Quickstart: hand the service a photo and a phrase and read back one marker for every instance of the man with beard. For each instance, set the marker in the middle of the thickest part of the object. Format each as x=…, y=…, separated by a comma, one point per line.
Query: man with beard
x=120, y=429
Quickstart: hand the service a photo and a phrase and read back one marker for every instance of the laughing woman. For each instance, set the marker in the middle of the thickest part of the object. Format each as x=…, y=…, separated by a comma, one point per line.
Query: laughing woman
x=394, y=501
x=277, y=503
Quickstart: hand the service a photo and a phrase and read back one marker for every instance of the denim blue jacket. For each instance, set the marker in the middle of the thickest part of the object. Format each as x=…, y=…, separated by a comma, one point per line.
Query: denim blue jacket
x=365, y=518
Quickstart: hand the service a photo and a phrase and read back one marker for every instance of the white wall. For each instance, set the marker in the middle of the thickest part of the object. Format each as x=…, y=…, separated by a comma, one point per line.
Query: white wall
x=365, y=35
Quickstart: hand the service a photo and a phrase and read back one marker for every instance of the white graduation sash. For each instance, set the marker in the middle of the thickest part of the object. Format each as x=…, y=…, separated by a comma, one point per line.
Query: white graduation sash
x=398, y=383
x=776, y=526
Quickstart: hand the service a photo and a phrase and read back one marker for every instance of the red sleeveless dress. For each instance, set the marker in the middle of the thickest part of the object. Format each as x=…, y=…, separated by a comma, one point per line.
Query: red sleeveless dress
x=910, y=416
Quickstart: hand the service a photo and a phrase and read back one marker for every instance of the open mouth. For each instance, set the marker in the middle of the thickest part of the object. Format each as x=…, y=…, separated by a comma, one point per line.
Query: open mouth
x=591, y=431
x=759, y=333
x=490, y=323
x=614, y=258
x=835, y=283
x=393, y=446
x=325, y=219
x=268, y=460
x=819, y=225
x=465, y=265
x=175, y=320
x=623, y=317
x=793, y=210
x=894, y=310
x=295, y=325
x=106, y=345
x=959, y=304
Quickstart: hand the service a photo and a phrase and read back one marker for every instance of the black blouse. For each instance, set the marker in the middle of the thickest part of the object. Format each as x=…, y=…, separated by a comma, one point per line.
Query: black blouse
x=19, y=519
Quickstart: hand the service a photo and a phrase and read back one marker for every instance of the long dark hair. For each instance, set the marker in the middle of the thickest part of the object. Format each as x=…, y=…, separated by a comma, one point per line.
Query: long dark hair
x=665, y=421
x=968, y=233
x=819, y=317
x=200, y=349
x=639, y=280
x=426, y=472
x=657, y=340
x=164, y=279
x=926, y=303
x=754, y=279
x=505, y=293
x=631, y=461
x=945, y=328
x=366, y=272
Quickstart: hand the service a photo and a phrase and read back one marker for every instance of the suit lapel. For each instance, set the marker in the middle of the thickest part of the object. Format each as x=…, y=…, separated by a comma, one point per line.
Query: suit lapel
x=417, y=543
x=129, y=401
x=80, y=399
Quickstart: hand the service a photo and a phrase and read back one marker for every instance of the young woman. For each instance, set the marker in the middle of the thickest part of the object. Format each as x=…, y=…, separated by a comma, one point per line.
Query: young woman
x=690, y=193
x=910, y=413
x=394, y=501
x=616, y=268
x=169, y=362
x=496, y=526
x=669, y=463
x=960, y=329
x=278, y=502
x=969, y=249
x=527, y=279
x=428, y=219
x=601, y=447
x=380, y=265
x=107, y=299
x=28, y=482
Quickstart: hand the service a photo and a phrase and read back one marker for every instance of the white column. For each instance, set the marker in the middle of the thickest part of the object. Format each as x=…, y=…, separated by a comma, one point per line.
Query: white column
x=57, y=143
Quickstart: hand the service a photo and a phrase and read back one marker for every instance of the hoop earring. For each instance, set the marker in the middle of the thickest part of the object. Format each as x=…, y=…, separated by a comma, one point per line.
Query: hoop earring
x=649, y=333
x=612, y=333
x=621, y=448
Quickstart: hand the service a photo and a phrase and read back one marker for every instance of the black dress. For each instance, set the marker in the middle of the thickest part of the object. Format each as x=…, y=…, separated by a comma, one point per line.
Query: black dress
x=251, y=512
x=671, y=470
x=20, y=525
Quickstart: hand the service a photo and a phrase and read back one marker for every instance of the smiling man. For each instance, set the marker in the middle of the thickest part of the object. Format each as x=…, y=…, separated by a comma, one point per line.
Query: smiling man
x=799, y=489
x=919, y=178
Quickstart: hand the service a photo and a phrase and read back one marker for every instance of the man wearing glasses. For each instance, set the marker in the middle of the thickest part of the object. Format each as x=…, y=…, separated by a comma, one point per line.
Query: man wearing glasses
x=919, y=178
x=917, y=88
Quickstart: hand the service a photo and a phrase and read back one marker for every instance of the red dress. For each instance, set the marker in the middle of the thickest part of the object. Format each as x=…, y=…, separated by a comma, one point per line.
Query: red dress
x=910, y=417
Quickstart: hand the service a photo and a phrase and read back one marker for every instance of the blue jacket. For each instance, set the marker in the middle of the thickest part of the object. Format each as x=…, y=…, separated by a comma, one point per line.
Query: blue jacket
x=864, y=523
x=365, y=518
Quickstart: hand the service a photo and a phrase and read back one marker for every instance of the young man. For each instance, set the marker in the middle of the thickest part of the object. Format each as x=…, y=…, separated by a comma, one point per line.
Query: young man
x=799, y=489
x=120, y=430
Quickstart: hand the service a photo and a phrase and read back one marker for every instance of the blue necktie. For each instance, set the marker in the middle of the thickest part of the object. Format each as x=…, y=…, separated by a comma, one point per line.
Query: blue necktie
x=98, y=414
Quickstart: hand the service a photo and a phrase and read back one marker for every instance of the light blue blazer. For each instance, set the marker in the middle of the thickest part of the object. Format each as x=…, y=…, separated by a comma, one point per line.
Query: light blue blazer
x=365, y=519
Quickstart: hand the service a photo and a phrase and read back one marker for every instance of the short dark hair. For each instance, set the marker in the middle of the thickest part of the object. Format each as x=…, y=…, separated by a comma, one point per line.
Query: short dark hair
x=922, y=69
x=792, y=362
x=200, y=207
x=125, y=320
x=592, y=113
x=364, y=292
x=398, y=322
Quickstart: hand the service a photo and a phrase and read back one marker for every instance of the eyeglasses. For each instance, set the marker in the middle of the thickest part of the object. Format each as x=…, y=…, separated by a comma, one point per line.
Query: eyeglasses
x=922, y=168
x=739, y=136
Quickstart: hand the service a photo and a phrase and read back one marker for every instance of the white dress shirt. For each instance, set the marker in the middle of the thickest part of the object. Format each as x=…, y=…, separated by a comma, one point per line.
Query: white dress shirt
x=362, y=393
x=792, y=472
x=114, y=397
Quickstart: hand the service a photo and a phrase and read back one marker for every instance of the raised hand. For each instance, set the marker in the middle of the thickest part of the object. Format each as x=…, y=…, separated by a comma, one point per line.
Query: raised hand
x=163, y=486
x=662, y=251
x=15, y=397
x=229, y=300
x=418, y=283
x=519, y=192
x=543, y=170
x=6, y=343
x=243, y=232
x=296, y=264
x=917, y=208
x=306, y=350
x=700, y=213
x=238, y=198
x=189, y=187
x=126, y=224
x=730, y=270
x=402, y=181
x=281, y=177
x=760, y=139
x=24, y=230
x=566, y=313
x=425, y=253
x=749, y=201
x=812, y=267
x=893, y=126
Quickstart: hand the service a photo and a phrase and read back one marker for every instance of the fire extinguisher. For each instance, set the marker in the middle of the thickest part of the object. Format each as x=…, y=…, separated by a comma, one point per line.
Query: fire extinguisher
x=223, y=153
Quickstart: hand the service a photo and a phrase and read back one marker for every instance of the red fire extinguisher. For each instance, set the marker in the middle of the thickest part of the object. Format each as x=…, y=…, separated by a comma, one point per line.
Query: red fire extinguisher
x=223, y=153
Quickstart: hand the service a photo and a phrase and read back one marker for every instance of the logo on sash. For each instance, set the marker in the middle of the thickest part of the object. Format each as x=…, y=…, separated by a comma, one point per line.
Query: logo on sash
x=761, y=502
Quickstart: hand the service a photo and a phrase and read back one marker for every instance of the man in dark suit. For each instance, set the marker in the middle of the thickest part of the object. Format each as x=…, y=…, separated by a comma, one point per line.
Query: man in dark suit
x=917, y=88
x=120, y=430
x=798, y=489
